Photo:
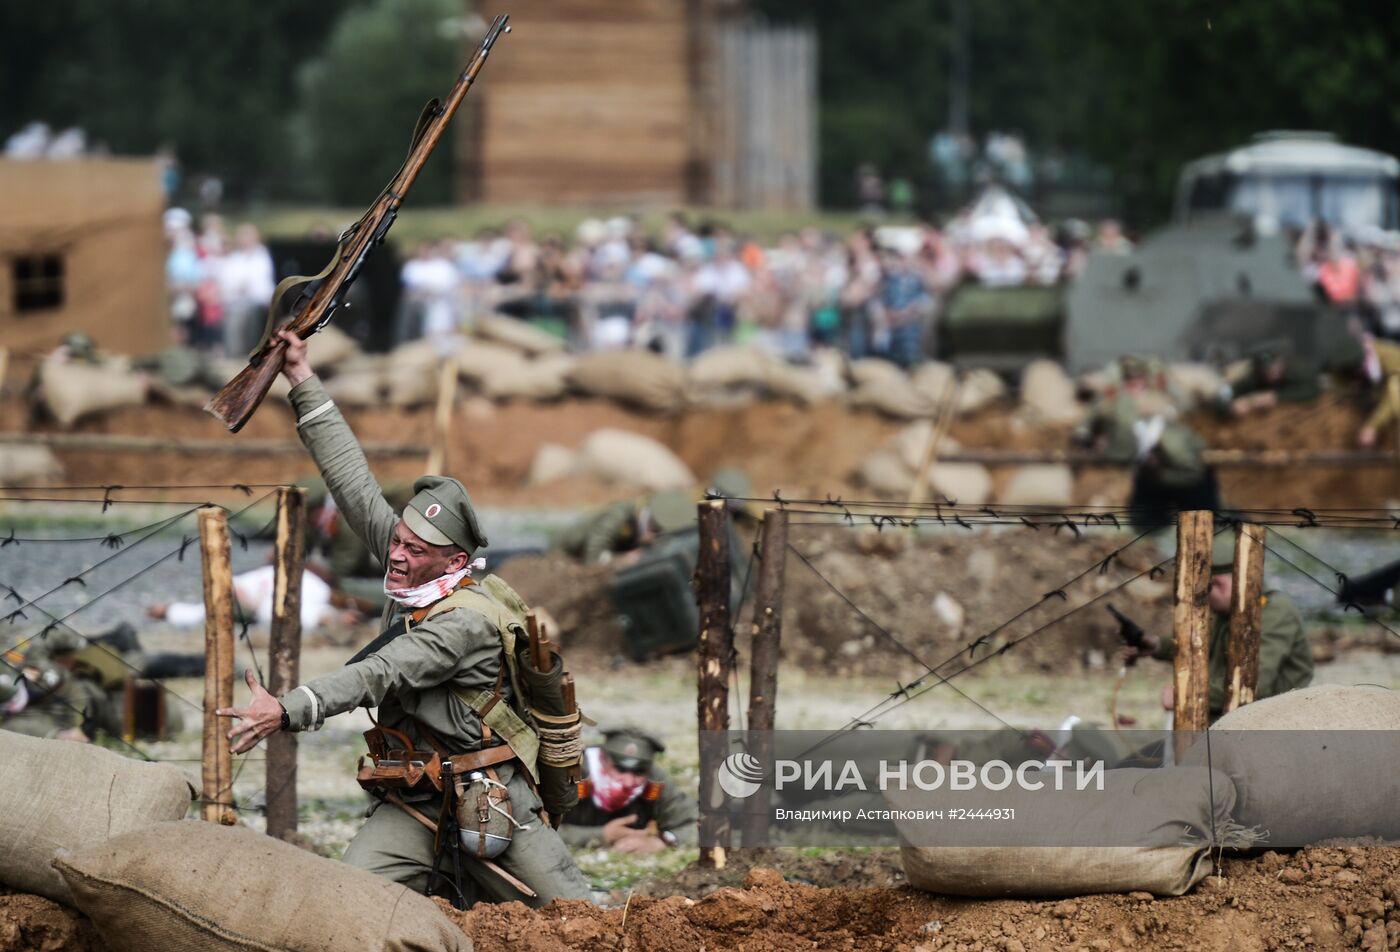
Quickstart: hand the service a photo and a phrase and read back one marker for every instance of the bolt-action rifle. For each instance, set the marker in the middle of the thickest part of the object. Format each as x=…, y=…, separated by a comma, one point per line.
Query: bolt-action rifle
x=305, y=304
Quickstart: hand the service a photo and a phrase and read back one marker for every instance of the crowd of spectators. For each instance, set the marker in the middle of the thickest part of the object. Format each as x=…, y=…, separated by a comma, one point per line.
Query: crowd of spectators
x=876, y=291
x=1359, y=273
x=219, y=285
x=873, y=292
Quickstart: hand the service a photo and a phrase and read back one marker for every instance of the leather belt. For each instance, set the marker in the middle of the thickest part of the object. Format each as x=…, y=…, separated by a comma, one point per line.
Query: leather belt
x=465, y=763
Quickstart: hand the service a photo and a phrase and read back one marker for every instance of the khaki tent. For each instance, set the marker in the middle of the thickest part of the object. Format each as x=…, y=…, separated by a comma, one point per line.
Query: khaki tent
x=81, y=249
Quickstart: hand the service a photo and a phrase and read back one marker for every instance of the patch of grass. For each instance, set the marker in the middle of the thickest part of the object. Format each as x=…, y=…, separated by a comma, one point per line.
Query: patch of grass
x=608, y=870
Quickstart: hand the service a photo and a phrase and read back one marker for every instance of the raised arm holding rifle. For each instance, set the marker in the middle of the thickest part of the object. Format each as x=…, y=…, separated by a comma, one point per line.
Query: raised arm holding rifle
x=306, y=303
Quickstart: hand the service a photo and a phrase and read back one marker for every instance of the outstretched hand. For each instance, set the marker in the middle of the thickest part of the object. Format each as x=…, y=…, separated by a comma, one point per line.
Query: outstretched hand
x=261, y=718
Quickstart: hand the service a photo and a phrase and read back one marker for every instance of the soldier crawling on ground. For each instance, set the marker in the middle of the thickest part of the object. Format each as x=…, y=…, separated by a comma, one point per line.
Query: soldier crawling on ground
x=1138, y=423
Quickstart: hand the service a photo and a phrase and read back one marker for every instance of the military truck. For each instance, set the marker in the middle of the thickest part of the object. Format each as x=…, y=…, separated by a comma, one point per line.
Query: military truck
x=1222, y=278
x=1218, y=281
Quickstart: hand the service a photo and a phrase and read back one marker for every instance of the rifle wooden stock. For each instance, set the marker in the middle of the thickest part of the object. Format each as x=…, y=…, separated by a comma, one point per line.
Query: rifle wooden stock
x=303, y=303
x=235, y=404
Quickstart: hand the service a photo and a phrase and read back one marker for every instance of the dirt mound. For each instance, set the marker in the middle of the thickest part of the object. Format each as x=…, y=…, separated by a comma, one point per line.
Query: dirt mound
x=575, y=595
x=1318, y=898
x=35, y=924
x=933, y=593
x=804, y=451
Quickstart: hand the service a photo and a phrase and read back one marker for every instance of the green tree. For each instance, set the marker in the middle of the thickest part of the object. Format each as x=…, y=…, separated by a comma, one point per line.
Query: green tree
x=213, y=79
x=1139, y=88
x=360, y=100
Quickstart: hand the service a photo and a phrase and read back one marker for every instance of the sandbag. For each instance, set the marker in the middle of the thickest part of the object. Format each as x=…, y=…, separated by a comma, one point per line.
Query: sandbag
x=552, y=462
x=979, y=388
x=1048, y=394
x=886, y=474
x=1199, y=384
x=28, y=465
x=479, y=360
x=1040, y=485
x=74, y=390
x=968, y=484
x=193, y=886
x=411, y=376
x=634, y=377
x=721, y=367
x=330, y=347
x=518, y=335
x=912, y=442
x=618, y=456
x=870, y=370
x=933, y=379
x=360, y=383
x=58, y=795
x=894, y=397
x=1323, y=767
x=806, y=385
x=546, y=378
x=1146, y=830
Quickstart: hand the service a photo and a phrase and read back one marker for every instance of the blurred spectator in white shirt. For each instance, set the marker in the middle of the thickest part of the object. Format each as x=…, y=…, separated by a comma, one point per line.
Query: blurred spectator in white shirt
x=246, y=281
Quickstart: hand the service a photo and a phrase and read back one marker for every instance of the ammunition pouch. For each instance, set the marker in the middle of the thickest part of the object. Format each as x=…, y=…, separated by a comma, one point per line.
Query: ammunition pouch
x=398, y=768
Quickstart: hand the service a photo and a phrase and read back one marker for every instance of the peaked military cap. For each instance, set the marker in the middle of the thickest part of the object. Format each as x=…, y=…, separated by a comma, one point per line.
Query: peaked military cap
x=440, y=513
x=631, y=749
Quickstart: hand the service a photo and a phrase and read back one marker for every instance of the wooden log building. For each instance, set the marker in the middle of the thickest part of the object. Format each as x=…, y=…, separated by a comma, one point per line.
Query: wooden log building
x=81, y=249
x=642, y=102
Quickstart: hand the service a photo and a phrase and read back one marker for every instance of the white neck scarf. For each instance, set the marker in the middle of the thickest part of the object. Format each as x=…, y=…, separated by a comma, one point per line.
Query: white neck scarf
x=421, y=596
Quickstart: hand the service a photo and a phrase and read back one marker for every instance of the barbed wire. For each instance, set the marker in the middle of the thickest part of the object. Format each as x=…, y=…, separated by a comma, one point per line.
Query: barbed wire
x=245, y=488
x=906, y=693
x=887, y=634
x=56, y=620
x=1341, y=577
x=879, y=514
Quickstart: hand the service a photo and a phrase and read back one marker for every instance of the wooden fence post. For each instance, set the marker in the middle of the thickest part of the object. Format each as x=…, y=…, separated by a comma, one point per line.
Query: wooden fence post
x=763, y=681
x=284, y=656
x=217, y=792
x=1246, y=613
x=442, y=417
x=716, y=643
x=1191, y=624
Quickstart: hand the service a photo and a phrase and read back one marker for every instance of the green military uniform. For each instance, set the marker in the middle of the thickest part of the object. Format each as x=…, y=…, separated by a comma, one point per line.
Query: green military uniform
x=618, y=526
x=1295, y=382
x=657, y=801
x=68, y=684
x=1139, y=426
x=1388, y=409
x=416, y=680
x=1285, y=656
